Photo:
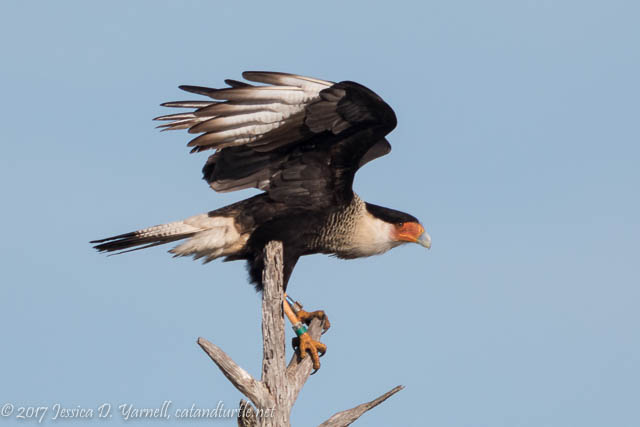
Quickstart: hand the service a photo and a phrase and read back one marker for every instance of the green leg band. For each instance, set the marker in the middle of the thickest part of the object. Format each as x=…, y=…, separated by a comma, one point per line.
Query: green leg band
x=299, y=329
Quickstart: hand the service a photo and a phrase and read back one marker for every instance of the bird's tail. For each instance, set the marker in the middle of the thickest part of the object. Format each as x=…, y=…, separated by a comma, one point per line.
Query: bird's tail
x=208, y=235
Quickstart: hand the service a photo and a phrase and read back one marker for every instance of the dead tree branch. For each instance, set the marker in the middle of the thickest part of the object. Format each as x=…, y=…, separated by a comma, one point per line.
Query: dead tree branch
x=344, y=418
x=256, y=391
x=280, y=385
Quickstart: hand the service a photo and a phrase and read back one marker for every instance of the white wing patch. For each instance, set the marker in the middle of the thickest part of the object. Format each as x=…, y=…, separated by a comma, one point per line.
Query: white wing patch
x=247, y=113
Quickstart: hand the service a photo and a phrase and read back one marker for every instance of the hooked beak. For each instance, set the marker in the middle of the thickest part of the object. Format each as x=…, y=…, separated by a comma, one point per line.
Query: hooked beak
x=424, y=240
x=413, y=232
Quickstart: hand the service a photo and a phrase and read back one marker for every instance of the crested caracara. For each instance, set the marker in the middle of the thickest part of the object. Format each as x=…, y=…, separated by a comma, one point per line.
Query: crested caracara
x=300, y=140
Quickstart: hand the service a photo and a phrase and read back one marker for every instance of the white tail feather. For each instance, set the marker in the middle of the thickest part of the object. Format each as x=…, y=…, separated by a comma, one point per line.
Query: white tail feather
x=217, y=237
x=206, y=236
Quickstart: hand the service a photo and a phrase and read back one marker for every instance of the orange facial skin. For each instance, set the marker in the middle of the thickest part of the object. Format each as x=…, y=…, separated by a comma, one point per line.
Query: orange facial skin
x=409, y=231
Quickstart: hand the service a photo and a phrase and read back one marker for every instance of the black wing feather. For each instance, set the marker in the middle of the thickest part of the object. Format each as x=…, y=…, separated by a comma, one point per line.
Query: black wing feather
x=301, y=140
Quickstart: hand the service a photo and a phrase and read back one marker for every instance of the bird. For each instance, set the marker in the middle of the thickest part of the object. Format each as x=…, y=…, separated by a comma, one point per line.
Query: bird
x=300, y=140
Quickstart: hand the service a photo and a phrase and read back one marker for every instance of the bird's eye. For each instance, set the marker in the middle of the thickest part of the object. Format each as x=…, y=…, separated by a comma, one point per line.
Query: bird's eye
x=401, y=224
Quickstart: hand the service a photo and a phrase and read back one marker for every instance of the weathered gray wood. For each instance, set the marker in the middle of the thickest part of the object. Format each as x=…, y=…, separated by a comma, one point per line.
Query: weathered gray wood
x=280, y=385
x=345, y=418
x=256, y=391
x=273, y=337
x=247, y=416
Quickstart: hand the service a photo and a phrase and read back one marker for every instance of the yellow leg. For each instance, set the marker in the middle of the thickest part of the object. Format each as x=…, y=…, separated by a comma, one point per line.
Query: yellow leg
x=304, y=342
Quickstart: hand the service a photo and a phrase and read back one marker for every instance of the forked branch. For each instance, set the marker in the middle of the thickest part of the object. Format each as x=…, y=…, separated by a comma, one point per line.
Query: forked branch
x=275, y=394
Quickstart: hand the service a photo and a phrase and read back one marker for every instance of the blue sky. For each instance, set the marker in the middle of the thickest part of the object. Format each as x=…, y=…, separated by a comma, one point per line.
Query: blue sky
x=517, y=147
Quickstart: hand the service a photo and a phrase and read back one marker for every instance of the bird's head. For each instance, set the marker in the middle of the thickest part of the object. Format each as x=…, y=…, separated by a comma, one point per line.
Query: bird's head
x=404, y=228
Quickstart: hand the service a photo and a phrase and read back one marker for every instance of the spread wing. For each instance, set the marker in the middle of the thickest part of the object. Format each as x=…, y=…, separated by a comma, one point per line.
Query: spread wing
x=298, y=138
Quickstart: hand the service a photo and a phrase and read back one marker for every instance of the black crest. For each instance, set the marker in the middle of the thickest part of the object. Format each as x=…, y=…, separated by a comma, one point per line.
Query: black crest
x=390, y=215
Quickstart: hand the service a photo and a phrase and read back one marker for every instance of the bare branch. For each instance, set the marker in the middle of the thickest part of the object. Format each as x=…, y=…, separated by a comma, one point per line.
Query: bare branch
x=273, y=338
x=241, y=379
x=273, y=350
x=344, y=418
x=275, y=395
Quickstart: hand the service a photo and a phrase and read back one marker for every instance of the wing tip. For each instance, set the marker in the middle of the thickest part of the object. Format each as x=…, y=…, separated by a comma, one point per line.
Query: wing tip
x=199, y=90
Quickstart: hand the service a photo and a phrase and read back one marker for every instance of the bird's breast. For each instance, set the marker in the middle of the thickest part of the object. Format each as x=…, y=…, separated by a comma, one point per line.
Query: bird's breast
x=352, y=232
